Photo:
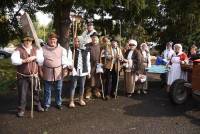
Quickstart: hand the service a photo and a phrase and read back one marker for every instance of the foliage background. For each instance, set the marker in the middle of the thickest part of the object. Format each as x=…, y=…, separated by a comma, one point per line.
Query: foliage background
x=145, y=20
x=7, y=76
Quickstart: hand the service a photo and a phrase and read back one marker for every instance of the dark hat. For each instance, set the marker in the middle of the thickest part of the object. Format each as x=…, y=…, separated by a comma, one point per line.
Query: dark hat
x=94, y=34
x=27, y=36
x=114, y=39
x=90, y=23
x=53, y=35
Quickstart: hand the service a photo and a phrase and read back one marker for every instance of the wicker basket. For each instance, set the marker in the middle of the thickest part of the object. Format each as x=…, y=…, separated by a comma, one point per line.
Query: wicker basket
x=186, y=67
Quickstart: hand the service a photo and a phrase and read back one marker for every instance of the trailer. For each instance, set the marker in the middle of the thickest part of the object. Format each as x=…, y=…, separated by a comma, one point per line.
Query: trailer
x=181, y=90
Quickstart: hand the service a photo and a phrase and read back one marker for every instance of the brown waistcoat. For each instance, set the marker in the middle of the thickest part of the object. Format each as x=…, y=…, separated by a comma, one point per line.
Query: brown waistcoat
x=27, y=68
x=110, y=63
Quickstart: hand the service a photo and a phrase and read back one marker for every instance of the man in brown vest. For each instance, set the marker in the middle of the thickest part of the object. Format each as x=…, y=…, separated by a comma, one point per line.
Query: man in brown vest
x=93, y=83
x=26, y=58
x=55, y=59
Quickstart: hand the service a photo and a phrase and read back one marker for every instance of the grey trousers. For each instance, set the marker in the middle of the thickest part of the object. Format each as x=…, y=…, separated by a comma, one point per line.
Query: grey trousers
x=80, y=81
x=24, y=85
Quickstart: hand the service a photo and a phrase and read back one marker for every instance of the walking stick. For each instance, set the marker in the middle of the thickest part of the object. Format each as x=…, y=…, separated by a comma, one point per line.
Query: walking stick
x=102, y=87
x=116, y=89
x=118, y=62
x=32, y=97
x=74, y=36
x=102, y=84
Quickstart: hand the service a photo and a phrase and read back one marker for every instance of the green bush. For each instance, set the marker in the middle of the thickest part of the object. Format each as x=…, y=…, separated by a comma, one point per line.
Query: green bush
x=7, y=75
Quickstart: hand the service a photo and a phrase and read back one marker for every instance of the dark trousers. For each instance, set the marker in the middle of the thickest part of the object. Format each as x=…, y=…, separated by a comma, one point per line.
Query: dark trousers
x=24, y=85
x=110, y=81
x=93, y=83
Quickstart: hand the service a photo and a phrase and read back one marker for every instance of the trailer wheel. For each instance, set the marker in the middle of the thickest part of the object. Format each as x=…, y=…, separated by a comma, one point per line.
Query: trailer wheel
x=178, y=92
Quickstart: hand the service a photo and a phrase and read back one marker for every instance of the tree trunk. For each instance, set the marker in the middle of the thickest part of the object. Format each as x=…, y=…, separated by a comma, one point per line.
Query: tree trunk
x=62, y=21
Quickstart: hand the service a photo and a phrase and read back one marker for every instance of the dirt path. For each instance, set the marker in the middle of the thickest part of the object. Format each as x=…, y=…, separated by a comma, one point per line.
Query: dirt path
x=141, y=114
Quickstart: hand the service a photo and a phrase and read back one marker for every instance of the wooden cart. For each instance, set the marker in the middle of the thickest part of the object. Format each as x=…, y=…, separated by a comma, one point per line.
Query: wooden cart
x=180, y=89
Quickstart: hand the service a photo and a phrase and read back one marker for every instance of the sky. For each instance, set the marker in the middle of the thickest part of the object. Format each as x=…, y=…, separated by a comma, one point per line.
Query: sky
x=43, y=19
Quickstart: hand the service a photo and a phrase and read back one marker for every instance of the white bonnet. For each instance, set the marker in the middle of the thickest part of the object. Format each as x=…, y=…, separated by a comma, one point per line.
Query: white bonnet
x=131, y=41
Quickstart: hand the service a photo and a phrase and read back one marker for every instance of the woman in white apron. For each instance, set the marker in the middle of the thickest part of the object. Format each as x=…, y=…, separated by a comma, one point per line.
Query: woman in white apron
x=175, y=71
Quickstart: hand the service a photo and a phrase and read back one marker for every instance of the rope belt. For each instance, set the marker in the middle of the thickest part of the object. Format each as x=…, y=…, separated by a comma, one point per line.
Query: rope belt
x=53, y=68
x=32, y=76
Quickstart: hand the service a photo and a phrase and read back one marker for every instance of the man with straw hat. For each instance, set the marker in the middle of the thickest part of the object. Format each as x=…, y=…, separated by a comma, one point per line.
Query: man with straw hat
x=27, y=58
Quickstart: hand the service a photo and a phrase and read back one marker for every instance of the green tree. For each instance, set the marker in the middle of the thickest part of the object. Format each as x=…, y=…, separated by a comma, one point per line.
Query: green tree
x=181, y=20
x=61, y=11
x=9, y=13
x=144, y=20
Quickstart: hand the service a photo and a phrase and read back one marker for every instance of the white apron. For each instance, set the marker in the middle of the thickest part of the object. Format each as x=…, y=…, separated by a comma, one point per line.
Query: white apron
x=175, y=71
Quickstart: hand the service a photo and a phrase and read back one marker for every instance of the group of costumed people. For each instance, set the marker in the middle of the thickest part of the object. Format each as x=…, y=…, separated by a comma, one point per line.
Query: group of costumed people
x=173, y=57
x=93, y=66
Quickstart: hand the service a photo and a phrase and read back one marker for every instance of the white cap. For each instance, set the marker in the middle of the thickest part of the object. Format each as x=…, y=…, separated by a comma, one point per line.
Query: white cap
x=178, y=45
x=132, y=42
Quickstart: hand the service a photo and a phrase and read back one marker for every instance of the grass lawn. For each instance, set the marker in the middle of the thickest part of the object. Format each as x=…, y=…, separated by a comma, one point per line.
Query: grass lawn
x=7, y=76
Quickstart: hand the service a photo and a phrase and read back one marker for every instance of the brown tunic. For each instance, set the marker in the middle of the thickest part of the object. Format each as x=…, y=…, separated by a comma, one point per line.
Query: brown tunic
x=94, y=59
x=52, y=68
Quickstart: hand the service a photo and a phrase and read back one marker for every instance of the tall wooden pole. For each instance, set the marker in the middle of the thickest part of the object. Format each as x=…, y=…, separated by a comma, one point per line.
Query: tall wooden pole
x=120, y=33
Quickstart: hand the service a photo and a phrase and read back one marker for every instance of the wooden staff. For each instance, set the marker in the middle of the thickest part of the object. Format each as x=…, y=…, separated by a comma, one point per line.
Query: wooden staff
x=75, y=35
x=120, y=33
x=73, y=28
x=100, y=75
x=32, y=97
x=117, y=84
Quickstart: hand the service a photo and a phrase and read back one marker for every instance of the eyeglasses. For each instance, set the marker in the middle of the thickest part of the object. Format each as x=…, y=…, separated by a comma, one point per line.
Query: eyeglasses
x=132, y=45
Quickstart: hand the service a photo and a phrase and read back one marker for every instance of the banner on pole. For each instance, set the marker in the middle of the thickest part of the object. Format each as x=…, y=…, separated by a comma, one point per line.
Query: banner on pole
x=27, y=26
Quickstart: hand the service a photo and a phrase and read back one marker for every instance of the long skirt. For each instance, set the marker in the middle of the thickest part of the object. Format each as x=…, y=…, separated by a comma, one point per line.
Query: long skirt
x=175, y=73
x=129, y=82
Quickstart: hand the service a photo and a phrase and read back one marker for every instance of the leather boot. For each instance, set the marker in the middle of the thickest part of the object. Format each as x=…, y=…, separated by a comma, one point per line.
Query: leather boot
x=88, y=93
x=97, y=93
